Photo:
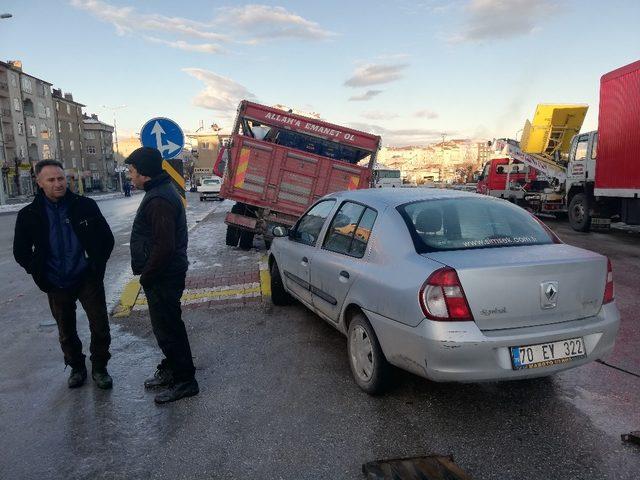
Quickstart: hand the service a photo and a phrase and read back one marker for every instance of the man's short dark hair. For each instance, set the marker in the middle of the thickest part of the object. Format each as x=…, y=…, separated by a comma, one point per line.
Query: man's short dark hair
x=46, y=163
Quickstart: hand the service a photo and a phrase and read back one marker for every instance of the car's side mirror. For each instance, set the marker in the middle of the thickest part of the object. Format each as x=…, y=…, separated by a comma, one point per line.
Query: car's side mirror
x=280, y=231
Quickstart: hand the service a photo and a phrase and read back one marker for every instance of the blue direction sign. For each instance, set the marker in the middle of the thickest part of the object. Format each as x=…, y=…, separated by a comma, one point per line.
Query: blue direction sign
x=163, y=134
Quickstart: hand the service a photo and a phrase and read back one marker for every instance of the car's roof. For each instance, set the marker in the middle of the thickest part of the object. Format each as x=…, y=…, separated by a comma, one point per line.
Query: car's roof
x=383, y=197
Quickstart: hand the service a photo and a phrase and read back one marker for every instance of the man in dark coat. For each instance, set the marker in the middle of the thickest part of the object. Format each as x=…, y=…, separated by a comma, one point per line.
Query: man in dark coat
x=159, y=255
x=64, y=242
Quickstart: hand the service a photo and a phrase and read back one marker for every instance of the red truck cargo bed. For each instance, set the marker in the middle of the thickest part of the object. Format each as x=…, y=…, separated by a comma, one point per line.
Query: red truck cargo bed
x=618, y=157
x=271, y=176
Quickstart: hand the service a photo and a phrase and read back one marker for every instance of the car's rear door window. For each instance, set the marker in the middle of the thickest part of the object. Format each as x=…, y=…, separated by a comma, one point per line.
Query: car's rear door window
x=309, y=226
x=350, y=229
x=464, y=223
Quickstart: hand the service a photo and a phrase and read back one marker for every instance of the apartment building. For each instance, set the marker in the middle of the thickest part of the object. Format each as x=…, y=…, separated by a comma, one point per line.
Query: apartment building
x=27, y=127
x=70, y=127
x=100, y=173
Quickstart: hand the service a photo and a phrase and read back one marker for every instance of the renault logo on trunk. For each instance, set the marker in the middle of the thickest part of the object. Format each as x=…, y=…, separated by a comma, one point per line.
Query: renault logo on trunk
x=549, y=294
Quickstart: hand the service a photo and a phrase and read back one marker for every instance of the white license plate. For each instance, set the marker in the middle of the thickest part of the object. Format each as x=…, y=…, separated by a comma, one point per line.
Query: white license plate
x=547, y=354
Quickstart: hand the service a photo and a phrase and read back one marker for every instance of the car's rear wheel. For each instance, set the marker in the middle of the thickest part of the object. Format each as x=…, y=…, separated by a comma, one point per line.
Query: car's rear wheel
x=279, y=296
x=369, y=367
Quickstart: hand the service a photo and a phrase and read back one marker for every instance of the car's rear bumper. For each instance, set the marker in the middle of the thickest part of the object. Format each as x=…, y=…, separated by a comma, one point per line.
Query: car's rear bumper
x=461, y=352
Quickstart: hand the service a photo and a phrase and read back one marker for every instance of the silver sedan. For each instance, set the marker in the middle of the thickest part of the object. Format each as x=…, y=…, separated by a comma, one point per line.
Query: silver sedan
x=449, y=285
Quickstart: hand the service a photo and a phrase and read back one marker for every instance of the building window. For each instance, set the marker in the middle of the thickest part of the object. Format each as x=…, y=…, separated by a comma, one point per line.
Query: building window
x=91, y=149
x=89, y=135
x=70, y=127
x=59, y=127
x=73, y=162
x=71, y=145
x=41, y=110
x=46, y=152
x=48, y=111
x=79, y=111
x=21, y=152
x=32, y=130
x=20, y=128
x=14, y=82
x=16, y=104
x=62, y=145
x=26, y=85
x=68, y=109
x=44, y=132
x=57, y=106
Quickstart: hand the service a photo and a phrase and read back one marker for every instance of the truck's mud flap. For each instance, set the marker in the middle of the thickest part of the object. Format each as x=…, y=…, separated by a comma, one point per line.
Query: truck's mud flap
x=430, y=467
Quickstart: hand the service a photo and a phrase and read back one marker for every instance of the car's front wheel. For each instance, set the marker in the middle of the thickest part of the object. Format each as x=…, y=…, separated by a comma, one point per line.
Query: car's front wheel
x=369, y=367
x=279, y=296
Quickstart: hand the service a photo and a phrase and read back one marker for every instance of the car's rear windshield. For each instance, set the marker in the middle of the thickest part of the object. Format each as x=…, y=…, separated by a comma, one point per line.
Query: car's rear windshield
x=210, y=181
x=465, y=223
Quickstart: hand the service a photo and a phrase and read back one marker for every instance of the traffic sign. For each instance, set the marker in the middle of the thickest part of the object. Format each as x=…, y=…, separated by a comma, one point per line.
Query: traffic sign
x=163, y=134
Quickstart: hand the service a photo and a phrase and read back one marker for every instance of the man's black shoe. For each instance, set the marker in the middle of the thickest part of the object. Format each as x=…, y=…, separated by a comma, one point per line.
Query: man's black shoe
x=77, y=377
x=178, y=391
x=162, y=378
x=102, y=378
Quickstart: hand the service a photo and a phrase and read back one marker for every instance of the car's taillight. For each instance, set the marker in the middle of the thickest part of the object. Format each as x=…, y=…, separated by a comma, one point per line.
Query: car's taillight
x=442, y=297
x=608, y=289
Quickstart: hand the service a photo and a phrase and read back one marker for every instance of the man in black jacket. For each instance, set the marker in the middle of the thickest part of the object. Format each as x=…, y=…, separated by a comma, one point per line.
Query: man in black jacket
x=64, y=242
x=159, y=255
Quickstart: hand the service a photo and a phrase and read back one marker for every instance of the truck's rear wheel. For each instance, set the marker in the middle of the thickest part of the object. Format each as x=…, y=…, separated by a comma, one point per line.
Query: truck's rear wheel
x=579, y=216
x=233, y=235
x=246, y=240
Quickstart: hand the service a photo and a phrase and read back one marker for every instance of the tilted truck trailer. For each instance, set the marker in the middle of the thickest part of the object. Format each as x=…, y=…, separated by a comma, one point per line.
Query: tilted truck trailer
x=278, y=163
x=594, y=177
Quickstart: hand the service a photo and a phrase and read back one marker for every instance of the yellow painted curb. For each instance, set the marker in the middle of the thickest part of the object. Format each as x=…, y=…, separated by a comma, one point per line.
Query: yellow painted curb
x=128, y=298
x=211, y=294
x=265, y=277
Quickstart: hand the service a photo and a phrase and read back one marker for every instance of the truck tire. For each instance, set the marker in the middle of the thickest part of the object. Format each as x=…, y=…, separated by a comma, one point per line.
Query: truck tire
x=279, y=296
x=246, y=240
x=233, y=235
x=579, y=216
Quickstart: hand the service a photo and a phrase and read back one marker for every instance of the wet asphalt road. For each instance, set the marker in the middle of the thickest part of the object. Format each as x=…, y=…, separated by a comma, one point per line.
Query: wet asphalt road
x=278, y=401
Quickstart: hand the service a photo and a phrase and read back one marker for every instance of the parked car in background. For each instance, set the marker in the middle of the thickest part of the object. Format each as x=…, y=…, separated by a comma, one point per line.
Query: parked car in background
x=449, y=285
x=210, y=188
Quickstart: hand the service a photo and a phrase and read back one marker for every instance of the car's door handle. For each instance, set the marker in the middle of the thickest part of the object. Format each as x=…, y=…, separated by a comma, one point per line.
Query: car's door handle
x=344, y=274
x=305, y=260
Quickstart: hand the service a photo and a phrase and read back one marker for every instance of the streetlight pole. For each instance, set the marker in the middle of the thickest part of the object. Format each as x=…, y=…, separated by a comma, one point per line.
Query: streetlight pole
x=115, y=137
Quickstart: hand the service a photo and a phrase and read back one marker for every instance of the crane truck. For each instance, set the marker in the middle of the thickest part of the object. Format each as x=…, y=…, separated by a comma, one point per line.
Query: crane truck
x=593, y=177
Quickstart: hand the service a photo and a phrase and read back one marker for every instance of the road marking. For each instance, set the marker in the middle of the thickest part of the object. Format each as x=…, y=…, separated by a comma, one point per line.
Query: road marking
x=202, y=295
x=128, y=298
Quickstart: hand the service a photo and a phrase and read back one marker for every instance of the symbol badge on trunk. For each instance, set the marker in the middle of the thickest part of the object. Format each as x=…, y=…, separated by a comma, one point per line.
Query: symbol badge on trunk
x=549, y=294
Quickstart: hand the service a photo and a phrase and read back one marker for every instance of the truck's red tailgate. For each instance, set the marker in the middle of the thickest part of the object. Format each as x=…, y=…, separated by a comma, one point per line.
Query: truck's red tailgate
x=618, y=157
x=267, y=175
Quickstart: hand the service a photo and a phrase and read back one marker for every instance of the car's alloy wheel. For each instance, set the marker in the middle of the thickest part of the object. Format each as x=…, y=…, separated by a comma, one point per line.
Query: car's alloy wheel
x=369, y=367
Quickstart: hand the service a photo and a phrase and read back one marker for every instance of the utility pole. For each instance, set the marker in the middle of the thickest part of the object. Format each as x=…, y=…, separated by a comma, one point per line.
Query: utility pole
x=117, y=167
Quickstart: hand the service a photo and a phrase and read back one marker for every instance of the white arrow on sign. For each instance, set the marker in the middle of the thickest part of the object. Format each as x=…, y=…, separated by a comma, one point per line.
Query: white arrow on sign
x=158, y=131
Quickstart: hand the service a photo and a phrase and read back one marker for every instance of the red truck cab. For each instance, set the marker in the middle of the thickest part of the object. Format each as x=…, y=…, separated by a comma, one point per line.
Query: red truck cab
x=505, y=178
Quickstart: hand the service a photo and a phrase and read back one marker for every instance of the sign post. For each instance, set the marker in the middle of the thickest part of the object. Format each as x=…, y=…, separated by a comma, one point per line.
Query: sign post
x=167, y=136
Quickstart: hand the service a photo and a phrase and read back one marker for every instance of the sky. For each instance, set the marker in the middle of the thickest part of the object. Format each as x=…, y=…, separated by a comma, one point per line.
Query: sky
x=409, y=70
